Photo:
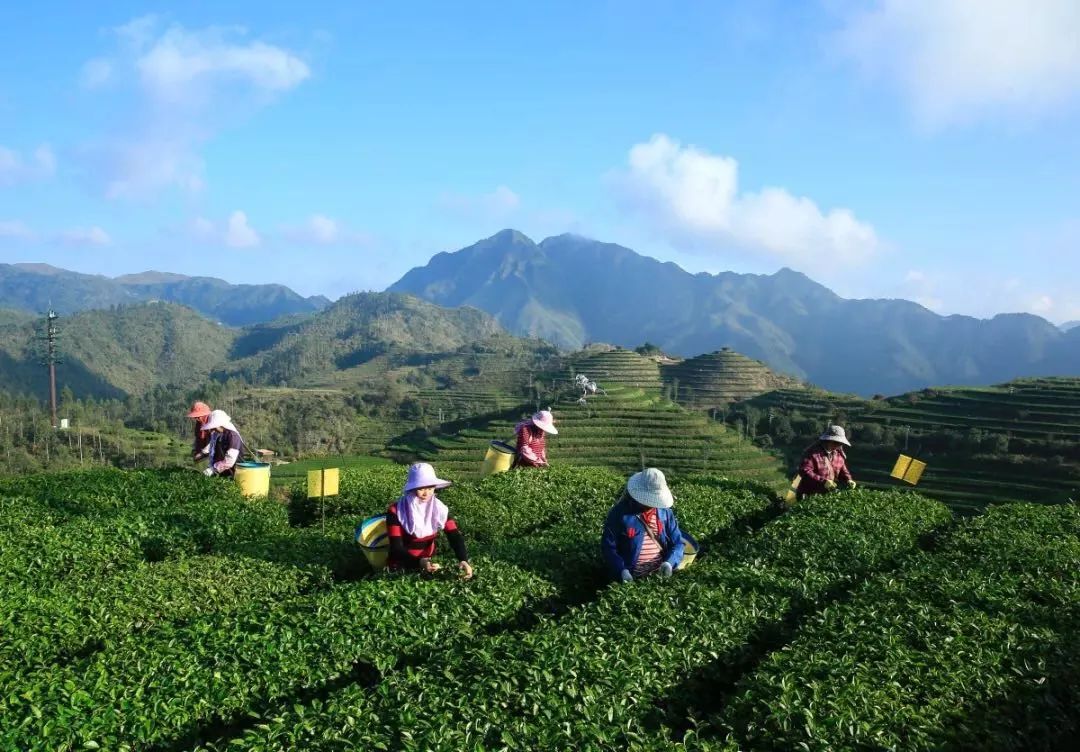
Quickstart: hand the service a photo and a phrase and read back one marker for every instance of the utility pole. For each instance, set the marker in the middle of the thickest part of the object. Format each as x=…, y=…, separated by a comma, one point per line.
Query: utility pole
x=51, y=331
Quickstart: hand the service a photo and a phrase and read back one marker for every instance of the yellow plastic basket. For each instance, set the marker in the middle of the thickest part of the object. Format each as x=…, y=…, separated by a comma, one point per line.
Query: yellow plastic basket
x=690, y=551
x=373, y=540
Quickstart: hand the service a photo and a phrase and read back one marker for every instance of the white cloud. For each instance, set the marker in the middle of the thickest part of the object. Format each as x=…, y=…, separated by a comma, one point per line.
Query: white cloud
x=959, y=59
x=203, y=228
x=1042, y=305
x=239, y=234
x=16, y=230
x=189, y=85
x=88, y=236
x=320, y=229
x=16, y=168
x=692, y=198
x=498, y=203
x=184, y=66
x=95, y=73
x=324, y=229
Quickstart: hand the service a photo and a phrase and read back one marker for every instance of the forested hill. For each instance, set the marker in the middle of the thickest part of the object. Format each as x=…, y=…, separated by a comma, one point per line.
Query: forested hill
x=572, y=290
x=37, y=287
x=129, y=350
x=124, y=351
x=351, y=332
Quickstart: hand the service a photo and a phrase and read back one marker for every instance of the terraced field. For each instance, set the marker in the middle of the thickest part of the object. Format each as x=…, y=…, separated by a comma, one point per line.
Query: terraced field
x=614, y=368
x=1019, y=440
x=626, y=429
x=719, y=378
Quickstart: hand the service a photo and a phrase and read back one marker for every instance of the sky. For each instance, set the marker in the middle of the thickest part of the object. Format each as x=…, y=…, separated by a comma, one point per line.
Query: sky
x=923, y=149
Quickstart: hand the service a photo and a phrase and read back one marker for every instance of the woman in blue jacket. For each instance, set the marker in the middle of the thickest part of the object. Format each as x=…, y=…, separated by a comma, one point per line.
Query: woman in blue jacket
x=641, y=533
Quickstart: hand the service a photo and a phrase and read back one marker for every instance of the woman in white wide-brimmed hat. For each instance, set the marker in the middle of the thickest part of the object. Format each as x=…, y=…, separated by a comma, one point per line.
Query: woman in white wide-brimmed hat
x=641, y=533
x=414, y=521
x=532, y=434
x=225, y=445
x=824, y=466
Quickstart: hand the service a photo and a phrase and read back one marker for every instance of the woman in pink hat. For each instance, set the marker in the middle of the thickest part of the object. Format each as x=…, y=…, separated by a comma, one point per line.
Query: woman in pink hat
x=532, y=439
x=200, y=443
x=414, y=521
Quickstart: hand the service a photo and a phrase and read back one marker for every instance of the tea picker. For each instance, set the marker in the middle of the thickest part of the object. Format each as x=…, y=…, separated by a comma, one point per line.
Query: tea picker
x=531, y=449
x=404, y=537
x=641, y=532
x=824, y=465
x=225, y=449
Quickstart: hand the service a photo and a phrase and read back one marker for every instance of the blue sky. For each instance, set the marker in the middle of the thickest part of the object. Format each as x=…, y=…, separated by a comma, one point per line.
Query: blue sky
x=917, y=149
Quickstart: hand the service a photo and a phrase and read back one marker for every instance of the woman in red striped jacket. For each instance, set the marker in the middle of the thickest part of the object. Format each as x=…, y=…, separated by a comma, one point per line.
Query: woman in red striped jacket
x=414, y=521
x=532, y=439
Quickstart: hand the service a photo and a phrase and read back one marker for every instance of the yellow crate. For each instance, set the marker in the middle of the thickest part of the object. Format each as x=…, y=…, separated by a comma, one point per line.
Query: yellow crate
x=322, y=482
x=908, y=469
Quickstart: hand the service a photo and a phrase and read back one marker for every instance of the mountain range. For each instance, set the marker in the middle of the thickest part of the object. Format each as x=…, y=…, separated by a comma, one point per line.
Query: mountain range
x=572, y=290
x=566, y=289
x=37, y=287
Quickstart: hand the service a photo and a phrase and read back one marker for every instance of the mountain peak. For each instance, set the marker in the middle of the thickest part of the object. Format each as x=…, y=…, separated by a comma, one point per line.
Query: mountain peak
x=510, y=235
x=572, y=290
x=40, y=268
x=150, y=277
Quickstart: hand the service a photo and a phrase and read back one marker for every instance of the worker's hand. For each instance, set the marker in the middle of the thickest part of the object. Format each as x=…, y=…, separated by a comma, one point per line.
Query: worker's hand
x=208, y=472
x=851, y=485
x=665, y=569
x=625, y=576
x=466, y=570
x=427, y=566
x=830, y=485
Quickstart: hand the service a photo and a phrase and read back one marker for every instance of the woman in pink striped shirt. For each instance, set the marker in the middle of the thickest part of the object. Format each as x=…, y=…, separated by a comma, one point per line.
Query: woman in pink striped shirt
x=532, y=439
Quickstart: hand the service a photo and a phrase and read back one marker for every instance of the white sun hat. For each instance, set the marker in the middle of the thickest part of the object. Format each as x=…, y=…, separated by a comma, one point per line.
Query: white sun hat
x=649, y=487
x=835, y=433
x=218, y=419
x=422, y=475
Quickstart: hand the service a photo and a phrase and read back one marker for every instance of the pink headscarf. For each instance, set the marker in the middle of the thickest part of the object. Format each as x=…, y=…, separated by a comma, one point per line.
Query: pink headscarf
x=421, y=519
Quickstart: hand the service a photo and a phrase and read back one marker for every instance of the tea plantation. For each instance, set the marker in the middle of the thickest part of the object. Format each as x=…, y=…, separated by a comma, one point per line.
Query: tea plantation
x=151, y=610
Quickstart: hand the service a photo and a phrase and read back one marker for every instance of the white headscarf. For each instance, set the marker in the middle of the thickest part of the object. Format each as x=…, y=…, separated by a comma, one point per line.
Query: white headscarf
x=421, y=518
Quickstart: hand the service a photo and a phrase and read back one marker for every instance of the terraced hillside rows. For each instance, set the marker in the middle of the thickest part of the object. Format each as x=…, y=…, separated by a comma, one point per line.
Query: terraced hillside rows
x=626, y=429
x=719, y=378
x=1019, y=440
x=487, y=376
x=615, y=367
x=160, y=611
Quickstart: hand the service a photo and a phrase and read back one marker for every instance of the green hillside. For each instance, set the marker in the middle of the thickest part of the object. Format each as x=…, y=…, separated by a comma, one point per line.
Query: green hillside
x=626, y=429
x=719, y=378
x=9, y=317
x=1018, y=440
x=39, y=287
x=124, y=351
x=489, y=376
x=351, y=332
x=614, y=367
